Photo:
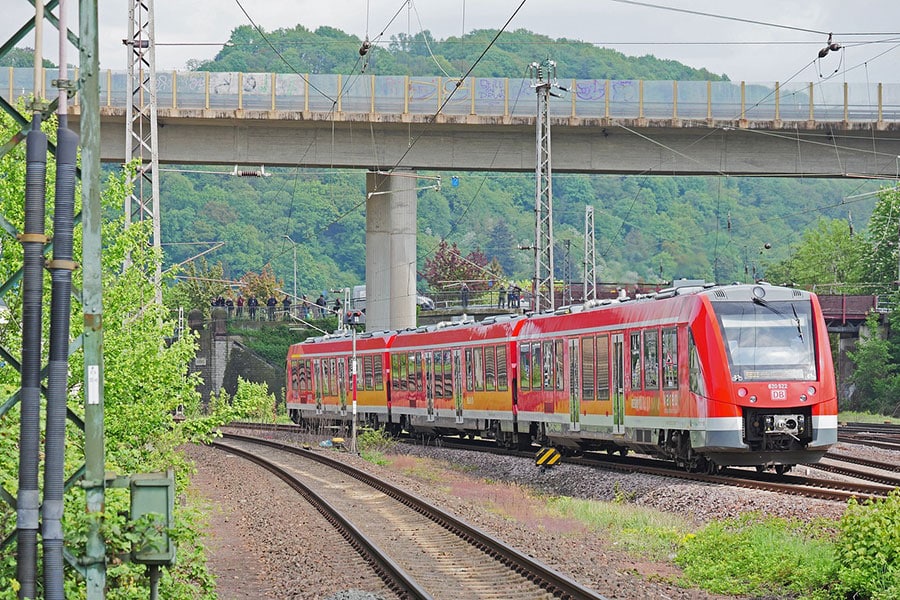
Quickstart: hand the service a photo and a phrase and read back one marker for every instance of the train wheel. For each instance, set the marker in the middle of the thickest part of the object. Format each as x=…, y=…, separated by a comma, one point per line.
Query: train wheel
x=623, y=451
x=760, y=468
x=782, y=469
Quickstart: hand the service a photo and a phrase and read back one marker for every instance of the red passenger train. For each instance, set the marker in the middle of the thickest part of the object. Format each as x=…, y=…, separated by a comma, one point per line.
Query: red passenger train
x=708, y=376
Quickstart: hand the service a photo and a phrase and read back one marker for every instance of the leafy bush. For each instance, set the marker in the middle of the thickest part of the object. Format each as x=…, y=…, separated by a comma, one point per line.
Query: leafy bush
x=749, y=556
x=868, y=549
x=373, y=444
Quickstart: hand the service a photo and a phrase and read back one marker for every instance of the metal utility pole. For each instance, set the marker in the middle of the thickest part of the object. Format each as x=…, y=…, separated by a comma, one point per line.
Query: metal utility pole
x=590, y=256
x=543, y=80
x=141, y=141
x=567, y=274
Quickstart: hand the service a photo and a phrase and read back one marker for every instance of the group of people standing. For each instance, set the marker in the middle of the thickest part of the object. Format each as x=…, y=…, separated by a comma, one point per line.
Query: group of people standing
x=304, y=308
x=509, y=298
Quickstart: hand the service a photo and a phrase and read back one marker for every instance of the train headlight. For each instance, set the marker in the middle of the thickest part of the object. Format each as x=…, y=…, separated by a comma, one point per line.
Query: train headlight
x=752, y=398
x=742, y=392
x=802, y=397
x=811, y=391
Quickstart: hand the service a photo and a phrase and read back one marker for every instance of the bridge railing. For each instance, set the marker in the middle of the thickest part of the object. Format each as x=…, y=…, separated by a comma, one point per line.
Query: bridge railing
x=495, y=97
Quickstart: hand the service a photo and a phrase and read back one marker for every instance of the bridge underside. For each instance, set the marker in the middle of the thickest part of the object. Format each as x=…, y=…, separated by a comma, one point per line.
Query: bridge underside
x=621, y=146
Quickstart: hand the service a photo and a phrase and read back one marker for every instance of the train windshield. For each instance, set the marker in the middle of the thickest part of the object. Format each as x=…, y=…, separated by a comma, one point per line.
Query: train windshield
x=768, y=340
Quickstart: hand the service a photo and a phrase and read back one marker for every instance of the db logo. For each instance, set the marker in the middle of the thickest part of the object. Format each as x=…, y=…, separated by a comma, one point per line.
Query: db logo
x=779, y=394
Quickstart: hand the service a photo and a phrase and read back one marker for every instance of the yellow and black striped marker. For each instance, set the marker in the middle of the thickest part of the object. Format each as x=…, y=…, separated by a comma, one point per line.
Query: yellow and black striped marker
x=547, y=457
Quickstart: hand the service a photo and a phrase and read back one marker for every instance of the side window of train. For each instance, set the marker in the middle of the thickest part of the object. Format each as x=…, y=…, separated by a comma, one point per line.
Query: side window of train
x=378, y=371
x=602, y=367
x=415, y=370
x=448, y=375
x=635, y=348
x=479, y=370
x=502, y=382
x=395, y=371
x=536, y=366
x=437, y=374
x=524, y=366
x=367, y=373
x=490, y=369
x=698, y=386
x=651, y=359
x=548, y=374
x=326, y=377
x=670, y=358
x=588, y=371
x=559, y=374
x=470, y=377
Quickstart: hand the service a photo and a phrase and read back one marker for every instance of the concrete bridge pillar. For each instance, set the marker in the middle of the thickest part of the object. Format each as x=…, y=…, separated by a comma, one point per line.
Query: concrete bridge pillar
x=391, y=206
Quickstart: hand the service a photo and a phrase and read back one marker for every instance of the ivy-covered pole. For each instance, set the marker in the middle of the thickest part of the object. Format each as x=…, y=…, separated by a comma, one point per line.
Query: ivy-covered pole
x=94, y=482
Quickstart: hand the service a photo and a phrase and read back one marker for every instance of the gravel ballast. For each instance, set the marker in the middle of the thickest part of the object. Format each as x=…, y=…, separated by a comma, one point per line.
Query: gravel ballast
x=265, y=542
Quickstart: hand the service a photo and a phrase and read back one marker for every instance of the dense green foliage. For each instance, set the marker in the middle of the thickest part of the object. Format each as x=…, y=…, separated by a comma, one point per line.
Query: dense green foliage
x=782, y=558
x=272, y=343
x=868, y=549
x=329, y=50
x=768, y=558
x=145, y=380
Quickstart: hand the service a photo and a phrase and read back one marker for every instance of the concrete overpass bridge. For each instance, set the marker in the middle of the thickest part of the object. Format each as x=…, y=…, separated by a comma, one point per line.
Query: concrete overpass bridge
x=393, y=126
x=825, y=129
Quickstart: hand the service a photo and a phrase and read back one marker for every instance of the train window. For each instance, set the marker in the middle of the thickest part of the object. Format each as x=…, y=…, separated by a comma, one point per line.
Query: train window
x=635, y=347
x=588, y=390
x=395, y=371
x=470, y=378
x=670, y=358
x=535, y=366
x=415, y=369
x=524, y=366
x=479, y=370
x=602, y=367
x=548, y=374
x=698, y=385
x=651, y=359
x=367, y=373
x=448, y=375
x=768, y=340
x=490, y=369
x=326, y=378
x=501, y=368
x=437, y=371
x=333, y=382
x=559, y=373
x=378, y=371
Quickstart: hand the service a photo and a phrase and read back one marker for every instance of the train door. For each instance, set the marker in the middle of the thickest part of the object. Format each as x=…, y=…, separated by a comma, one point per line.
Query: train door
x=457, y=384
x=574, y=400
x=618, y=383
x=317, y=365
x=429, y=384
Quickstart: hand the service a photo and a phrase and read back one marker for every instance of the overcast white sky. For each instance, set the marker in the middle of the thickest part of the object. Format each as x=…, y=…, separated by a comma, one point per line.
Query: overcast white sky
x=741, y=49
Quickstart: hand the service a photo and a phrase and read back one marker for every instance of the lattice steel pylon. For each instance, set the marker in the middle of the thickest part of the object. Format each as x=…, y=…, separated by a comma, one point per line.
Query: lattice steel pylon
x=141, y=139
x=543, y=202
x=590, y=256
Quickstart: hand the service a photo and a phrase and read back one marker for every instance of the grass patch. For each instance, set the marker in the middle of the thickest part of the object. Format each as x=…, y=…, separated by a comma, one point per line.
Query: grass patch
x=645, y=532
x=860, y=417
x=759, y=556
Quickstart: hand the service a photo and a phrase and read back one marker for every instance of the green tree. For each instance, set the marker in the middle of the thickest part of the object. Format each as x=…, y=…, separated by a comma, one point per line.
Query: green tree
x=827, y=255
x=881, y=258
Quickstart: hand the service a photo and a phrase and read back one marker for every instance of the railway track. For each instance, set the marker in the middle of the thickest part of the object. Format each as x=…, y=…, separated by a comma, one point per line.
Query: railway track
x=417, y=549
x=811, y=487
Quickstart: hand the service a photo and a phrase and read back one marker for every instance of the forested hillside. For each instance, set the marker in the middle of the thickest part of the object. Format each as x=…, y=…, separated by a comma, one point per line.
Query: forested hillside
x=647, y=228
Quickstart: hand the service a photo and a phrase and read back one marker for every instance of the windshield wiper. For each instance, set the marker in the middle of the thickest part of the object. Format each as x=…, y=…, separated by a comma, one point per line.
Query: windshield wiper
x=797, y=319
